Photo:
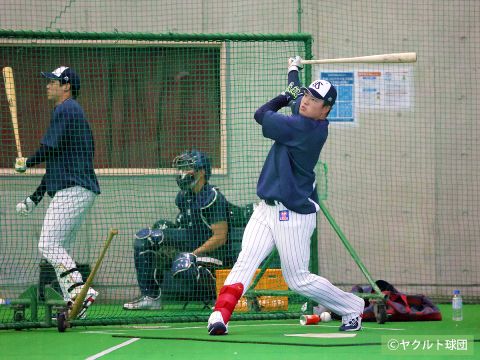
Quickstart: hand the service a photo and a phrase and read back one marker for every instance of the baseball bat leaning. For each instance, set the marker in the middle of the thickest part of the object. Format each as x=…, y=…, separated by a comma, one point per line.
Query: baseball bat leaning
x=77, y=304
x=407, y=57
x=12, y=103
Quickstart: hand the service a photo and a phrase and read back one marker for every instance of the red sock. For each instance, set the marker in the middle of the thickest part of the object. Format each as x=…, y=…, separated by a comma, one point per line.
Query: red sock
x=227, y=299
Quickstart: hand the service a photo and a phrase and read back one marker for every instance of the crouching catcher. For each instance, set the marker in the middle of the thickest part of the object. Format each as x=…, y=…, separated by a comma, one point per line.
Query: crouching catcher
x=177, y=258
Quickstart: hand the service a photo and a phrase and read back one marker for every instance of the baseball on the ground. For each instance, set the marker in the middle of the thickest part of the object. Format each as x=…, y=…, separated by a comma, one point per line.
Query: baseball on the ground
x=325, y=317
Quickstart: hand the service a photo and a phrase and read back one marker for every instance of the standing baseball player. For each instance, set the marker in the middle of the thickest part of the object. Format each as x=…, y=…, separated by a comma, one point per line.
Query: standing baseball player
x=67, y=149
x=286, y=216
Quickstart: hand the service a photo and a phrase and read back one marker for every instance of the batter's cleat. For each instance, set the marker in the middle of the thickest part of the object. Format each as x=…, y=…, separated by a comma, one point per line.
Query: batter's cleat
x=144, y=303
x=351, y=323
x=89, y=300
x=216, y=325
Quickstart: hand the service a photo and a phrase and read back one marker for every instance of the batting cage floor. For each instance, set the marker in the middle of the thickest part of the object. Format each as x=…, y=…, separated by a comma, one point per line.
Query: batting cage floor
x=252, y=340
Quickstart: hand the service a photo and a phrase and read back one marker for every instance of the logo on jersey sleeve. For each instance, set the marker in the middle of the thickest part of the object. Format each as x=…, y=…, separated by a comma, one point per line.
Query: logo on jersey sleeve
x=283, y=215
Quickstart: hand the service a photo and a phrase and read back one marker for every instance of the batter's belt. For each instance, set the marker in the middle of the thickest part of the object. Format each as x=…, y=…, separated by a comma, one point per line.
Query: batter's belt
x=272, y=202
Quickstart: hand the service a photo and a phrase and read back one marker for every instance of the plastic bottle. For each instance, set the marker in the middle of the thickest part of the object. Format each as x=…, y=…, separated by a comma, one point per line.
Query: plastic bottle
x=457, y=306
x=4, y=301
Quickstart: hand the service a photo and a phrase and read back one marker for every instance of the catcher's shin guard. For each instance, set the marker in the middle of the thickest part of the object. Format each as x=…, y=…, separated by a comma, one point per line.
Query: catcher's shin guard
x=227, y=299
x=146, y=261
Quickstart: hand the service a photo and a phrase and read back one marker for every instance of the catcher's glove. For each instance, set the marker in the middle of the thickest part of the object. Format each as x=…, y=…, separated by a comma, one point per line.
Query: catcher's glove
x=184, y=266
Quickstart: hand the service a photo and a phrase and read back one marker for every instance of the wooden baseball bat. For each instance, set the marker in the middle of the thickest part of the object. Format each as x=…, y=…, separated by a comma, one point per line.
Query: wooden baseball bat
x=77, y=305
x=407, y=57
x=12, y=103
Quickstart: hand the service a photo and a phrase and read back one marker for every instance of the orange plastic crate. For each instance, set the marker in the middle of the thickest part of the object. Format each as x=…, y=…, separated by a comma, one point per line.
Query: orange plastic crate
x=272, y=279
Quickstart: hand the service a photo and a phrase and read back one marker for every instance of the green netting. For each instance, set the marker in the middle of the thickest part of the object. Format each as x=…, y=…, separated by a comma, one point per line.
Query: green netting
x=148, y=99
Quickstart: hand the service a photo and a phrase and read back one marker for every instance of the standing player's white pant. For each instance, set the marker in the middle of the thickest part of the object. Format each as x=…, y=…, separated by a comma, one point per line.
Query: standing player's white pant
x=292, y=240
x=65, y=214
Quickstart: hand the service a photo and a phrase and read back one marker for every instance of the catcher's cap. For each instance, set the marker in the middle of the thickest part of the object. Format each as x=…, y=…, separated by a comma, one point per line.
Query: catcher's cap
x=65, y=75
x=323, y=90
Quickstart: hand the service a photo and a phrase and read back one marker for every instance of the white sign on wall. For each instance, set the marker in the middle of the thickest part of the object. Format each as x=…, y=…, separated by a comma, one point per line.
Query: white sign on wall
x=385, y=89
x=369, y=89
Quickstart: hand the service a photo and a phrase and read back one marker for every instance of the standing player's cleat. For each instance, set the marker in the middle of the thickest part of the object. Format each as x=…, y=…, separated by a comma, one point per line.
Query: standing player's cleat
x=144, y=303
x=353, y=324
x=89, y=300
x=216, y=325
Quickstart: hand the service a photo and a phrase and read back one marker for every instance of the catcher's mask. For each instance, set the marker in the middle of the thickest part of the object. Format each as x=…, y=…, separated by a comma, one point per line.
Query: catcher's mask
x=189, y=163
x=187, y=181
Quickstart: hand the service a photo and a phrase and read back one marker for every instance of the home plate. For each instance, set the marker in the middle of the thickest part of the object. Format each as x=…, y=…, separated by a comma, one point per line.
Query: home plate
x=324, y=336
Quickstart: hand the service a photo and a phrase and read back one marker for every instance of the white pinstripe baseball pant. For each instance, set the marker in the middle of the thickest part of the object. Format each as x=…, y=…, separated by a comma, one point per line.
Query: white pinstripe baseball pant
x=65, y=214
x=292, y=240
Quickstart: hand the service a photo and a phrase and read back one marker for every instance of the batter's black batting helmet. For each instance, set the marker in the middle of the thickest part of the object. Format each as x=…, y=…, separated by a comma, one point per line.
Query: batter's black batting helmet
x=193, y=159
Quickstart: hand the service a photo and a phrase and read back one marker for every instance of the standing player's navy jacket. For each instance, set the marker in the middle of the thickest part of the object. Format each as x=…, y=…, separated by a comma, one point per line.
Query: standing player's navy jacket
x=67, y=148
x=288, y=172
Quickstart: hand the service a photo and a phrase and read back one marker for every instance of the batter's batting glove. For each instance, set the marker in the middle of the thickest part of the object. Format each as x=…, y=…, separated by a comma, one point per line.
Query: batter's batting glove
x=21, y=164
x=25, y=207
x=295, y=63
x=292, y=92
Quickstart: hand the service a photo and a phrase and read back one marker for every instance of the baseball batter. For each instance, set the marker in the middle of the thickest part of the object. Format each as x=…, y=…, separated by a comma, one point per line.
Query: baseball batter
x=67, y=149
x=286, y=217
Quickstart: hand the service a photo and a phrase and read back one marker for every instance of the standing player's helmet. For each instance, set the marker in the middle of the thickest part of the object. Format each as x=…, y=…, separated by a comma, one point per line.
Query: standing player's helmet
x=191, y=160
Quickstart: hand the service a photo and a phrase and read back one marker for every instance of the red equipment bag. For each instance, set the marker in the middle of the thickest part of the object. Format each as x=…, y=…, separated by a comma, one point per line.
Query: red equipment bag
x=400, y=307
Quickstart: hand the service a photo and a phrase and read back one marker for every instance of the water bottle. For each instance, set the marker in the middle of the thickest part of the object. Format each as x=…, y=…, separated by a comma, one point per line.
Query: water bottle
x=457, y=313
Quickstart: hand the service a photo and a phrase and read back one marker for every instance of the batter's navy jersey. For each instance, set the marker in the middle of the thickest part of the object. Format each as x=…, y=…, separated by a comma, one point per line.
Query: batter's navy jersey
x=70, y=137
x=288, y=172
